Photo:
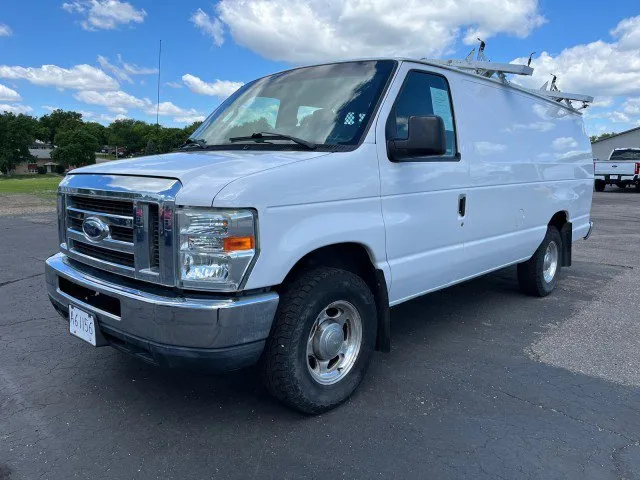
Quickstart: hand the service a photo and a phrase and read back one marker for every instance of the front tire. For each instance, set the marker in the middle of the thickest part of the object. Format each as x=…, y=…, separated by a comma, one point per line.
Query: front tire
x=322, y=340
x=599, y=185
x=538, y=276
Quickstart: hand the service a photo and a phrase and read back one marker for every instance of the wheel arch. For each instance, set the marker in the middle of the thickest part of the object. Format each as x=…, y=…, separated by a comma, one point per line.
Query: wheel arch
x=560, y=220
x=358, y=259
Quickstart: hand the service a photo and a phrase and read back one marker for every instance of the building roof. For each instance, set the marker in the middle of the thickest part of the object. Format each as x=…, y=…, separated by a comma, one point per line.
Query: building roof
x=41, y=153
x=618, y=134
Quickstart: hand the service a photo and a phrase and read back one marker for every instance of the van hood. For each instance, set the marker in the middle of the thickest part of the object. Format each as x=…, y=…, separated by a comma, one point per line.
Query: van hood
x=202, y=174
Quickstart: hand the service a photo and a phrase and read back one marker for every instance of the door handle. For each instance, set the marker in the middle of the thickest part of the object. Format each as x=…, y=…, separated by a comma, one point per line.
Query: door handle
x=462, y=205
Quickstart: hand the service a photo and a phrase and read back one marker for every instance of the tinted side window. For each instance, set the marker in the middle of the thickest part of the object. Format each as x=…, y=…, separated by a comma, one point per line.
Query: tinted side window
x=422, y=94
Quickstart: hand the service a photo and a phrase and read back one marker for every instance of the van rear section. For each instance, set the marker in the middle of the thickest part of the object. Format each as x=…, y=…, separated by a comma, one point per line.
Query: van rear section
x=622, y=169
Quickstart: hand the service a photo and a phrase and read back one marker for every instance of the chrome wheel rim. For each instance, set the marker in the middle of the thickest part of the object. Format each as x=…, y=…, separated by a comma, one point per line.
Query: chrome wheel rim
x=334, y=342
x=550, y=265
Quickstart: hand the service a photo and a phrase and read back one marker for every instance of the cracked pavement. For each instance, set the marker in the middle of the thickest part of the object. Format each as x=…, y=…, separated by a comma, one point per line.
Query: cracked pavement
x=482, y=382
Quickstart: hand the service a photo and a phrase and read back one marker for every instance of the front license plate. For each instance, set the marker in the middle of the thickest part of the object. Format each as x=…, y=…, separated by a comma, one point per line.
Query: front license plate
x=82, y=324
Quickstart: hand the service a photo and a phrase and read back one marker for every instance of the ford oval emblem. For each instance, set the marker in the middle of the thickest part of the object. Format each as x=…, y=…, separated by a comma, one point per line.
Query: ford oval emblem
x=95, y=229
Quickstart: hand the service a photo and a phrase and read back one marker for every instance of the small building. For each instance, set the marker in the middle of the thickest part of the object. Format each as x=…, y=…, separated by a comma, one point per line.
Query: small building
x=627, y=139
x=41, y=157
x=50, y=167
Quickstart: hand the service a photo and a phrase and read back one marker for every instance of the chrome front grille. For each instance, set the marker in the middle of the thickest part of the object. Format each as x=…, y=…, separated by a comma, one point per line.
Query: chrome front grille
x=118, y=226
x=113, y=256
x=102, y=205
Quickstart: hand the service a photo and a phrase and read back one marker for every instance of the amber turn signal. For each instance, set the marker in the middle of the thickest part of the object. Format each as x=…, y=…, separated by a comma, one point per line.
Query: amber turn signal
x=233, y=244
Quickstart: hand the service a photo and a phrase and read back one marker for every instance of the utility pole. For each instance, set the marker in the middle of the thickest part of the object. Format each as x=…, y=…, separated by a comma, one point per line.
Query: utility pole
x=158, y=103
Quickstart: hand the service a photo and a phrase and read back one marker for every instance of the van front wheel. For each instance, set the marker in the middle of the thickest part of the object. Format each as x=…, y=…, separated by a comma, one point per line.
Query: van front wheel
x=322, y=340
x=538, y=276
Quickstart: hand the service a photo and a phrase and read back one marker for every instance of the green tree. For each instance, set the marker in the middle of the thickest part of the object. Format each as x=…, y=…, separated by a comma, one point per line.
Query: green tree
x=602, y=136
x=17, y=133
x=75, y=148
x=129, y=133
x=57, y=121
x=99, y=131
x=151, y=148
x=170, y=138
x=188, y=130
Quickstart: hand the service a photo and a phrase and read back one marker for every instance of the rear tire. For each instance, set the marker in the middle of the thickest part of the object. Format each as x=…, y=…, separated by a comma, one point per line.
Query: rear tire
x=599, y=185
x=304, y=363
x=538, y=276
x=638, y=187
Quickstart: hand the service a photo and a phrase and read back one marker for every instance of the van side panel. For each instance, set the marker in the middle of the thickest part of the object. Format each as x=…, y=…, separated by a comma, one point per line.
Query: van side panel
x=311, y=204
x=528, y=159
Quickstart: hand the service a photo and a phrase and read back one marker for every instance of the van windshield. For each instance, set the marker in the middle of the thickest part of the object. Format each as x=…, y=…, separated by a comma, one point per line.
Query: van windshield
x=627, y=154
x=325, y=105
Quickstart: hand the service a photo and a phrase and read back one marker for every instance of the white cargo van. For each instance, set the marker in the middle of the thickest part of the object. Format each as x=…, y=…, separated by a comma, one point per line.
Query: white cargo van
x=309, y=203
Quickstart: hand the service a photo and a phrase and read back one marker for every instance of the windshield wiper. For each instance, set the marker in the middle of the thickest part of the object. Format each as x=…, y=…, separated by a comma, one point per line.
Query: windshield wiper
x=263, y=136
x=194, y=143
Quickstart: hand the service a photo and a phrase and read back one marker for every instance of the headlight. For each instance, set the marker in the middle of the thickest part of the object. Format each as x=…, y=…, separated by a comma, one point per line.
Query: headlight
x=216, y=247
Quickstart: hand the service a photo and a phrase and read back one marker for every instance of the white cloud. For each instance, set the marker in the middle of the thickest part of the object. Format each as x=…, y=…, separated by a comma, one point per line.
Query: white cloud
x=303, y=31
x=211, y=27
x=116, y=102
x=562, y=143
x=631, y=106
x=111, y=118
x=628, y=33
x=618, y=117
x=188, y=119
x=125, y=70
x=173, y=84
x=16, y=108
x=120, y=102
x=9, y=95
x=119, y=73
x=5, y=30
x=597, y=68
x=180, y=115
x=86, y=114
x=600, y=102
x=79, y=77
x=104, y=14
x=133, y=69
x=217, y=88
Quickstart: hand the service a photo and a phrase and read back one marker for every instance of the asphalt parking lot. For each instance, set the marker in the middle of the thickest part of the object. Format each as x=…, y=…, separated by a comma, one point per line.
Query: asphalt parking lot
x=482, y=382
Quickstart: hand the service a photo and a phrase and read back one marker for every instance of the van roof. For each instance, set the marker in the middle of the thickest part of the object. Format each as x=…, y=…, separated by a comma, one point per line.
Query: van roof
x=469, y=73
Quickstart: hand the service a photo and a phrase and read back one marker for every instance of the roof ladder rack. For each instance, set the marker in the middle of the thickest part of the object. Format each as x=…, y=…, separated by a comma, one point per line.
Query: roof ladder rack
x=485, y=68
x=555, y=94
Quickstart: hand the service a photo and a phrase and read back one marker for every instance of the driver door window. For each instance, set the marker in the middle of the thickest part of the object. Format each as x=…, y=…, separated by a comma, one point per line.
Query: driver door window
x=422, y=94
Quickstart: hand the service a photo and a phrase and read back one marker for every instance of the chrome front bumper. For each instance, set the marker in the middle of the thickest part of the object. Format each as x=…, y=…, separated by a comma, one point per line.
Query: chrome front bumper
x=160, y=326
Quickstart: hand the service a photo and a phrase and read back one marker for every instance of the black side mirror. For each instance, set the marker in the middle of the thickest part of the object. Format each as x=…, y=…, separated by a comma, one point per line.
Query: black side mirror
x=426, y=137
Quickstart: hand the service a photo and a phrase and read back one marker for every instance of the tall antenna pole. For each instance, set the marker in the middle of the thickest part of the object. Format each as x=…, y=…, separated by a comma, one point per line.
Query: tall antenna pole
x=158, y=104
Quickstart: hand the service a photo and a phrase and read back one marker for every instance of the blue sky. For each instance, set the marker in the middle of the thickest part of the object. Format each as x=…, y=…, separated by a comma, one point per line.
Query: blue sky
x=101, y=55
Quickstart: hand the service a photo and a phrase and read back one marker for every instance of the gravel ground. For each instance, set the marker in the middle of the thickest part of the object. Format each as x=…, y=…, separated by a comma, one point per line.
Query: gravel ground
x=20, y=204
x=481, y=383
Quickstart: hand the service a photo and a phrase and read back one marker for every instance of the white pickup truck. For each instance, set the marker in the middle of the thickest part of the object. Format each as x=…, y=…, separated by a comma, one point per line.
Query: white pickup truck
x=621, y=169
x=309, y=203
